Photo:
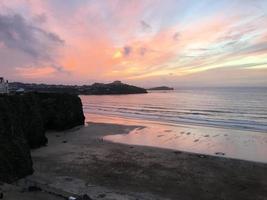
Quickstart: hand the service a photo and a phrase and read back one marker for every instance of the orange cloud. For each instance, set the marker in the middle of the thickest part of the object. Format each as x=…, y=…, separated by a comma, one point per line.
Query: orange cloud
x=150, y=54
x=33, y=72
x=114, y=39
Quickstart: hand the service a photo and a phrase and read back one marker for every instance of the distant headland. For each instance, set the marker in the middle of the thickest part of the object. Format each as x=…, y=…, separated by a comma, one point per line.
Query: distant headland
x=116, y=87
x=161, y=88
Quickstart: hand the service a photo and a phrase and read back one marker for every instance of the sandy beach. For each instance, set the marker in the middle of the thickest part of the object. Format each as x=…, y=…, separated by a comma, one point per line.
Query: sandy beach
x=79, y=161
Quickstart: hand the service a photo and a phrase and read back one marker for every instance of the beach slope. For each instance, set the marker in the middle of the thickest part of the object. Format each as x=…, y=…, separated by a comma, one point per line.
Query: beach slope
x=84, y=163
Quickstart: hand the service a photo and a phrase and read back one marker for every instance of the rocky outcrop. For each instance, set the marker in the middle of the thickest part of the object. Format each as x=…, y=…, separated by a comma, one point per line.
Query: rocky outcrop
x=61, y=111
x=23, y=122
x=15, y=159
x=115, y=87
x=30, y=116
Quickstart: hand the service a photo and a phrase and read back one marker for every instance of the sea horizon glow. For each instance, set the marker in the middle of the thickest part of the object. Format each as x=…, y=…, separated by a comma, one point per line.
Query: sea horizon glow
x=146, y=43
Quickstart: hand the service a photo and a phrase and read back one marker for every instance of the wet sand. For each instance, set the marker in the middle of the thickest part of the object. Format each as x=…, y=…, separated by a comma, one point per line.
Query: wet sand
x=238, y=144
x=79, y=161
x=209, y=140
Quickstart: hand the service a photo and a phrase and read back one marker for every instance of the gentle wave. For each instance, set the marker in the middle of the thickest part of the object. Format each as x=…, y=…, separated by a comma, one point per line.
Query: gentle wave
x=240, y=110
x=249, y=125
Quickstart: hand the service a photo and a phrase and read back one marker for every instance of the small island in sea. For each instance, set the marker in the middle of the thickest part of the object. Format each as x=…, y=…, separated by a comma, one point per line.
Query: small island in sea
x=161, y=88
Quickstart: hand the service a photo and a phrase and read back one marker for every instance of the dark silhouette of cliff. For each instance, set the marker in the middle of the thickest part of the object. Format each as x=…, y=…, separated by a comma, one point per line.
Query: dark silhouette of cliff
x=23, y=122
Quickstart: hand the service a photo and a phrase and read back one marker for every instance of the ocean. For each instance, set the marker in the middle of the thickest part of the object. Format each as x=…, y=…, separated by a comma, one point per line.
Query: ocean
x=235, y=108
x=224, y=122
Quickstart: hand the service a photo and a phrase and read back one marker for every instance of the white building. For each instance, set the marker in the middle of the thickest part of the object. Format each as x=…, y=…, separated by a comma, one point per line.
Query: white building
x=3, y=86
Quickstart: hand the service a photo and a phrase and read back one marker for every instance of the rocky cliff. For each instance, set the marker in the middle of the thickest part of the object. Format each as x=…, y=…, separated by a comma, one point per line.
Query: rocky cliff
x=15, y=159
x=61, y=111
x=23, y=122
x=29, y=115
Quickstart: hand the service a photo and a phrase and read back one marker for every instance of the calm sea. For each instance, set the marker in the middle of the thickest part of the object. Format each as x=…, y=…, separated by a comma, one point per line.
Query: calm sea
x=235, y=108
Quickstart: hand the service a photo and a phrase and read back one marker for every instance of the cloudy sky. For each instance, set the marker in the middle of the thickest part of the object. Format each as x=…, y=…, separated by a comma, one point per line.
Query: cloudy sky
x=143, y=42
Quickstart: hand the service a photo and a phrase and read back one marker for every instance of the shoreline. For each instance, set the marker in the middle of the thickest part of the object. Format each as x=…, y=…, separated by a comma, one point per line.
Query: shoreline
x=83, y=163
x=213, y=141
x=177, y=124
x=188, y=152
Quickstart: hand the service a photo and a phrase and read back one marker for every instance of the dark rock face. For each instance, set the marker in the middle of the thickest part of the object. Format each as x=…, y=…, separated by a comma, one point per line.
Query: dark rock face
x=23, y=122
x=15, y=159
x=29, y=114
x=61, y=111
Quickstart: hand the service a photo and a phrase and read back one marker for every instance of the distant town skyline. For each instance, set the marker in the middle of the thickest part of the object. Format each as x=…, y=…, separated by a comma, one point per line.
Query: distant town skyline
x=146, y=43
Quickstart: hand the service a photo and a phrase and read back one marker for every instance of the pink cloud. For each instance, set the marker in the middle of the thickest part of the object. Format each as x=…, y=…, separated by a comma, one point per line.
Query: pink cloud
x=35, y=73
x=105, y=39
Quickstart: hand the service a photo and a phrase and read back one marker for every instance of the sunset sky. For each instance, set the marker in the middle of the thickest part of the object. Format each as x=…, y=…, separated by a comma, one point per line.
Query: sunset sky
x=142, y=42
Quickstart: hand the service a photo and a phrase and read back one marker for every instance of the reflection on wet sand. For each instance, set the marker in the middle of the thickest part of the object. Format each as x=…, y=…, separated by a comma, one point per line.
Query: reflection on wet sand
x=238, y=144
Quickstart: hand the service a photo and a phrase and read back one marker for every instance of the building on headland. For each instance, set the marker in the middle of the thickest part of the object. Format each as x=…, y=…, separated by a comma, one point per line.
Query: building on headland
x=3, y=86
x=116, y=82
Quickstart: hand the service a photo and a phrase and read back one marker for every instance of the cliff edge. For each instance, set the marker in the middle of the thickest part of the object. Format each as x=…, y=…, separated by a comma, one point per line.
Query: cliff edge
x=23, y=122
